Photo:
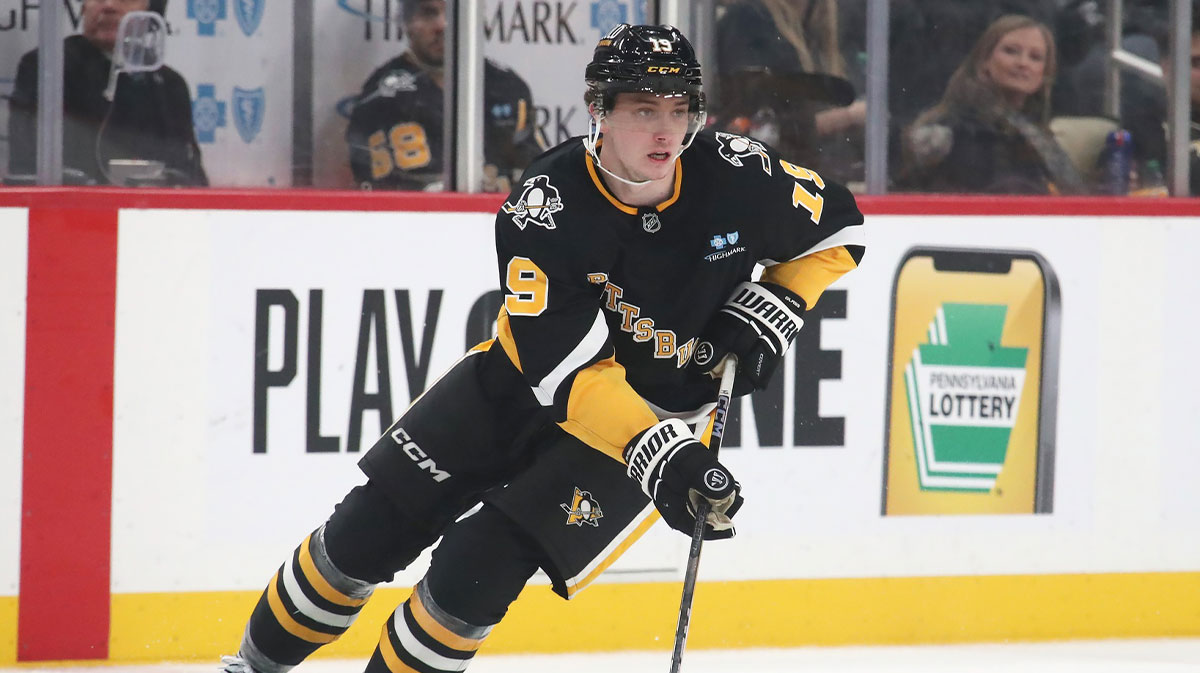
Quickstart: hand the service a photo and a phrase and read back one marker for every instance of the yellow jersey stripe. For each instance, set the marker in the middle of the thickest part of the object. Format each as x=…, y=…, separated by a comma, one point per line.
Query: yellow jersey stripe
x=616, y=553
x=809, y=275
x=603, y=411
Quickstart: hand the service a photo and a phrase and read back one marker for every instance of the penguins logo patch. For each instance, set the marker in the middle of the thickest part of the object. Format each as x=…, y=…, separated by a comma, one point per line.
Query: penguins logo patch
x=583, y=509
x=734, y=148
x=536, y=205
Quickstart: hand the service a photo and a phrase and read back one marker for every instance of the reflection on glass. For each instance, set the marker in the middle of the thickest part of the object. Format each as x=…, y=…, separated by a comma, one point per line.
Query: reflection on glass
x=990, y=132
x=396, y=124
x=786, y=73
x=127, y=128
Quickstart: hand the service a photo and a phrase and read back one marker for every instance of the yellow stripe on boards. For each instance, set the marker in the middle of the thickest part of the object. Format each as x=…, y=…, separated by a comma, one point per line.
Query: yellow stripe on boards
x=774, y=613
x=8, y=630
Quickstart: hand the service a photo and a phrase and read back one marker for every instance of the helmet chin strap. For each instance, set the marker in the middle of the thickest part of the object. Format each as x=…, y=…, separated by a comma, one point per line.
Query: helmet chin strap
x=593, y=137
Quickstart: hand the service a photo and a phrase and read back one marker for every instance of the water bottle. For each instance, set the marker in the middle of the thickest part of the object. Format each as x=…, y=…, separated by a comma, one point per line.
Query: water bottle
x=1115, y=163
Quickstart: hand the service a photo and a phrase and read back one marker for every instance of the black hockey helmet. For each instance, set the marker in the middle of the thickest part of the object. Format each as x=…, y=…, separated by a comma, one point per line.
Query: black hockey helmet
x=650, y=59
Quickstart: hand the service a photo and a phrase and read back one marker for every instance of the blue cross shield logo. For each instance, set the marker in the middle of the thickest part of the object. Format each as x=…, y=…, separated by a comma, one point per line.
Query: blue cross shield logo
x=208, y=113
x=607, y=14
x=206, y=13
x=248, y=108
x=733, y=237
x=249, y=14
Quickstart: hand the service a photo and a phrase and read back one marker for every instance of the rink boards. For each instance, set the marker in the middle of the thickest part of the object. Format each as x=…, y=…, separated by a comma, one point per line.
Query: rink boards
x=154, y=473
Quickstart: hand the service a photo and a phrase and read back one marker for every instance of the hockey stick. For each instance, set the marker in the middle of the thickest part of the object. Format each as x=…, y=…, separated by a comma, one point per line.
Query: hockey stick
x=724, y=395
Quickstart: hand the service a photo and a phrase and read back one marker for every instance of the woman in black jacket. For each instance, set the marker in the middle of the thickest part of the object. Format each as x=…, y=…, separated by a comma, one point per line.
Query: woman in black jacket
x=989, y=132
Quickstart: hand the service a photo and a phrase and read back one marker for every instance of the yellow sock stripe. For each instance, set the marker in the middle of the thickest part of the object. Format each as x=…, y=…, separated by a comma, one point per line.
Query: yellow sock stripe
x=318, y=582
x=440, y=633
x=390, y=658
x=616, y=554
x=291, y=625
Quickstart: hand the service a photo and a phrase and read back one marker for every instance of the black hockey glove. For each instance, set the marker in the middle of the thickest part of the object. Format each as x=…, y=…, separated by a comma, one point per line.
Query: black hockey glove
x=676, y=470
x=757, y=324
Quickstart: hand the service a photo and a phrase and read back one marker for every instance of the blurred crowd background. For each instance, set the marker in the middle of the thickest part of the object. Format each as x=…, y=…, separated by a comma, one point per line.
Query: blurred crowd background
x=1055, y=97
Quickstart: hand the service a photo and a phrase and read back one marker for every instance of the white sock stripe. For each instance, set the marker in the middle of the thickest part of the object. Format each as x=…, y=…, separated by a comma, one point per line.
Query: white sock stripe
x=416, y=648
x=306, y=606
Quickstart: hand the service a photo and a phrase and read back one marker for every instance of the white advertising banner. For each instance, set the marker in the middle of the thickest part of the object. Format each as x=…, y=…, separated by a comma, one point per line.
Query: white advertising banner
x=259, y=353
x=236, y=56
x=549, y=44
x=14, y=247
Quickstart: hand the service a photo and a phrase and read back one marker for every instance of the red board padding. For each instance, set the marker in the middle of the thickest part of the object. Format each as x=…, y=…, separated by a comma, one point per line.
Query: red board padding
x=67, y=471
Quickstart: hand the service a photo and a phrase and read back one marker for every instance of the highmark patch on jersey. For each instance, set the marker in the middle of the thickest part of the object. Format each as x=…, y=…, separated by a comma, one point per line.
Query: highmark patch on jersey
x=964, y=390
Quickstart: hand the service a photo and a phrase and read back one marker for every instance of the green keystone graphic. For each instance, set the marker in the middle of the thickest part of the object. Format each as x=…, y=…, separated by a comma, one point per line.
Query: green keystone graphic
x=964, y=389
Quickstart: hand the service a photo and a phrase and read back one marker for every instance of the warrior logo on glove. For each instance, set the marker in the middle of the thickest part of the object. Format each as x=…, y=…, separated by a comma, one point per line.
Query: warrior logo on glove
x=758, y=324
x=676, y=471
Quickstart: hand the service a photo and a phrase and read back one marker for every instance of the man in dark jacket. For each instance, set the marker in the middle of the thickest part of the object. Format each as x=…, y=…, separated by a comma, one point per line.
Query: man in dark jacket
x=149, y=117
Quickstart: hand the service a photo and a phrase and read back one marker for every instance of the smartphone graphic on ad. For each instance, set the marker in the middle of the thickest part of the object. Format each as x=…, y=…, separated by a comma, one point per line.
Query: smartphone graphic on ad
x=972, y=383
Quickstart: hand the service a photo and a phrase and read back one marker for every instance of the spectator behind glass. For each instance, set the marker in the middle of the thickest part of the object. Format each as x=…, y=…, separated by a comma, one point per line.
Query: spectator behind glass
x=989, y=132
x=395, y=130
x=764, y=48
x=149, y=118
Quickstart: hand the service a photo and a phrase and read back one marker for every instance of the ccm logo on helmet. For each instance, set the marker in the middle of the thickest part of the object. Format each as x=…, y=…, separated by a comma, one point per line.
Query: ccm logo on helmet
x=665, y=69
x=423, y=461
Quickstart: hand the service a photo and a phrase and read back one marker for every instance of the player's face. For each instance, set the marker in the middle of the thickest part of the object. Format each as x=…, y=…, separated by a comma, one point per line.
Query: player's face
x=1017, y=64
x=102, y=17
x=427, y=31
x=643, y=133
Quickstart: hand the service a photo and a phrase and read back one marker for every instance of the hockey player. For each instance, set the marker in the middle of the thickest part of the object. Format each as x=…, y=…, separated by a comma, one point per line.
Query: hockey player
x=626, y=267
x=395, y=130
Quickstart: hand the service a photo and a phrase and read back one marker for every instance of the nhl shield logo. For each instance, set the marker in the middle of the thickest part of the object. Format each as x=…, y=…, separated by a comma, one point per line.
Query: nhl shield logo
x=536, y=205
x=583, y=509
x=248, y=110
x=650, y=222
x=249, y=14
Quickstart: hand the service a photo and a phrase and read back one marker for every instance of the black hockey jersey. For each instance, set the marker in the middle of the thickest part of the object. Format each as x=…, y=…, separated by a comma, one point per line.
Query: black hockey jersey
x=604, y=302
x=396, y=126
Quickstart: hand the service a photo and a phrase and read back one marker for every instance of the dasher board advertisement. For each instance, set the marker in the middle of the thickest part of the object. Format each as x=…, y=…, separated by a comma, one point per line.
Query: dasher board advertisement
x=972, y=383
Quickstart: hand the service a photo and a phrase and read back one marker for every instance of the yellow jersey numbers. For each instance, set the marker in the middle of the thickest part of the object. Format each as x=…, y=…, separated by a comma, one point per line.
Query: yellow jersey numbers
x=404, y=147
x=527, y=286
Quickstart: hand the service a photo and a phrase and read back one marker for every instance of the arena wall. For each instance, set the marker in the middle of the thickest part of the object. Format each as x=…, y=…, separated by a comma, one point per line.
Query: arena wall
x=145, y=498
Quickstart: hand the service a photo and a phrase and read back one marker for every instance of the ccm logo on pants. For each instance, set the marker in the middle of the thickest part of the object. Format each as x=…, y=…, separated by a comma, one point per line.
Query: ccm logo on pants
x=423, y=461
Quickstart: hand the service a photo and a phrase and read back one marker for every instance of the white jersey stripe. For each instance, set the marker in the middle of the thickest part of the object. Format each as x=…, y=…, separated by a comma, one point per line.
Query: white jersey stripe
x=851, y=235
x=587, y=348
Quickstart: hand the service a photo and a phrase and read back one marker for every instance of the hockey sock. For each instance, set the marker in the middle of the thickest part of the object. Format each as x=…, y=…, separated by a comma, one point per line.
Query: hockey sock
x=421, y=637
x=308, y=603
